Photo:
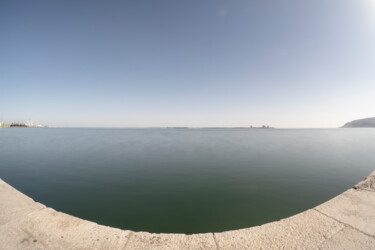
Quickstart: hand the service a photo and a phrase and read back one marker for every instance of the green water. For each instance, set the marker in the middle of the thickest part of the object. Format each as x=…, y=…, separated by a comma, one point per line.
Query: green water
x=184, y=180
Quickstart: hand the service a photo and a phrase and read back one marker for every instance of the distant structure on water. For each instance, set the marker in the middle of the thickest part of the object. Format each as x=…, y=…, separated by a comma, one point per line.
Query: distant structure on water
x=18, y=125
x=263, y=126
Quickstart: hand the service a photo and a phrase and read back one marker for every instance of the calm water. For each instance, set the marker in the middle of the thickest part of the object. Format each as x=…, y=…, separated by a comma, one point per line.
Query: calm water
x=184, y=180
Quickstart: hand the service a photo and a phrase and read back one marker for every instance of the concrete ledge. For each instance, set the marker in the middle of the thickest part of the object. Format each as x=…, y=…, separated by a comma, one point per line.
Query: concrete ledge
x=344, y=222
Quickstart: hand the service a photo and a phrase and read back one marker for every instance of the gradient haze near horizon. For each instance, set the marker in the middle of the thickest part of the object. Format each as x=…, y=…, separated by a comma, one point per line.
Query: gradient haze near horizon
x=187, y=63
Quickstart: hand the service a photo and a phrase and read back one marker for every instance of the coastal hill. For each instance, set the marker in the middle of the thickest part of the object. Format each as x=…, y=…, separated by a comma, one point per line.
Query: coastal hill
x=361, y=123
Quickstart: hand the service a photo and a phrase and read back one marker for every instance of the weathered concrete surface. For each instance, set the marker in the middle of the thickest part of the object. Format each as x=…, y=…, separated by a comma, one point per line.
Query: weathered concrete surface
x=302, y=231
x=14, y=204
x=49, y=229
x=367, y=184
x=345, y=222
x=354, y=208
x=142, y=240
x=349, y=239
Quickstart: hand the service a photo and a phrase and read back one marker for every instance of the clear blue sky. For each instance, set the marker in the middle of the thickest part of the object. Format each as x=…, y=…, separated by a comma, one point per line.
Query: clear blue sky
x=139, y=63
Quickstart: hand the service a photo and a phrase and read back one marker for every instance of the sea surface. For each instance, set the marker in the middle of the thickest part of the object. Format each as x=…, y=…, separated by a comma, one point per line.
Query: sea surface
x=184, y=180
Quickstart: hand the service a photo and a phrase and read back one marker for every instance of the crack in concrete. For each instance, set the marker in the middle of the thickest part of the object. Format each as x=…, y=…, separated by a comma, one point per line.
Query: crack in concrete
x=217, y=245
x=130, y=235
x=350, y=226
x=321, y=243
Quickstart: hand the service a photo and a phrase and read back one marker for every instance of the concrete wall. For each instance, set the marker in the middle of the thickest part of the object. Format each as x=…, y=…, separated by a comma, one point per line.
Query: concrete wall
x=344, y=222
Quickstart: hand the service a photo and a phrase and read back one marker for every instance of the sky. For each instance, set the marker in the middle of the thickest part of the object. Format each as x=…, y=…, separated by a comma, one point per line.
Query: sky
x=196, y=63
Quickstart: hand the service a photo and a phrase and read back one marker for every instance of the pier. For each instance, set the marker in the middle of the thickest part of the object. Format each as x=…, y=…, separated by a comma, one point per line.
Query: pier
x=346, y=221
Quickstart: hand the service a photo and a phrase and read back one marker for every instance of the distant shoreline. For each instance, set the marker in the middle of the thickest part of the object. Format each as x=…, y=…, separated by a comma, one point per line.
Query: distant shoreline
x=186, y=128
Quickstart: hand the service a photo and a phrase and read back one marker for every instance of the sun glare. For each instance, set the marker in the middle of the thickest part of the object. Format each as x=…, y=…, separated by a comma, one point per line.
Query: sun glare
x=372, y=5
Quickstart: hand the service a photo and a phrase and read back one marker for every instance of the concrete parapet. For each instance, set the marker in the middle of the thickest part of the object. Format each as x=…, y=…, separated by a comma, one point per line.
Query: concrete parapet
x=344, y=222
